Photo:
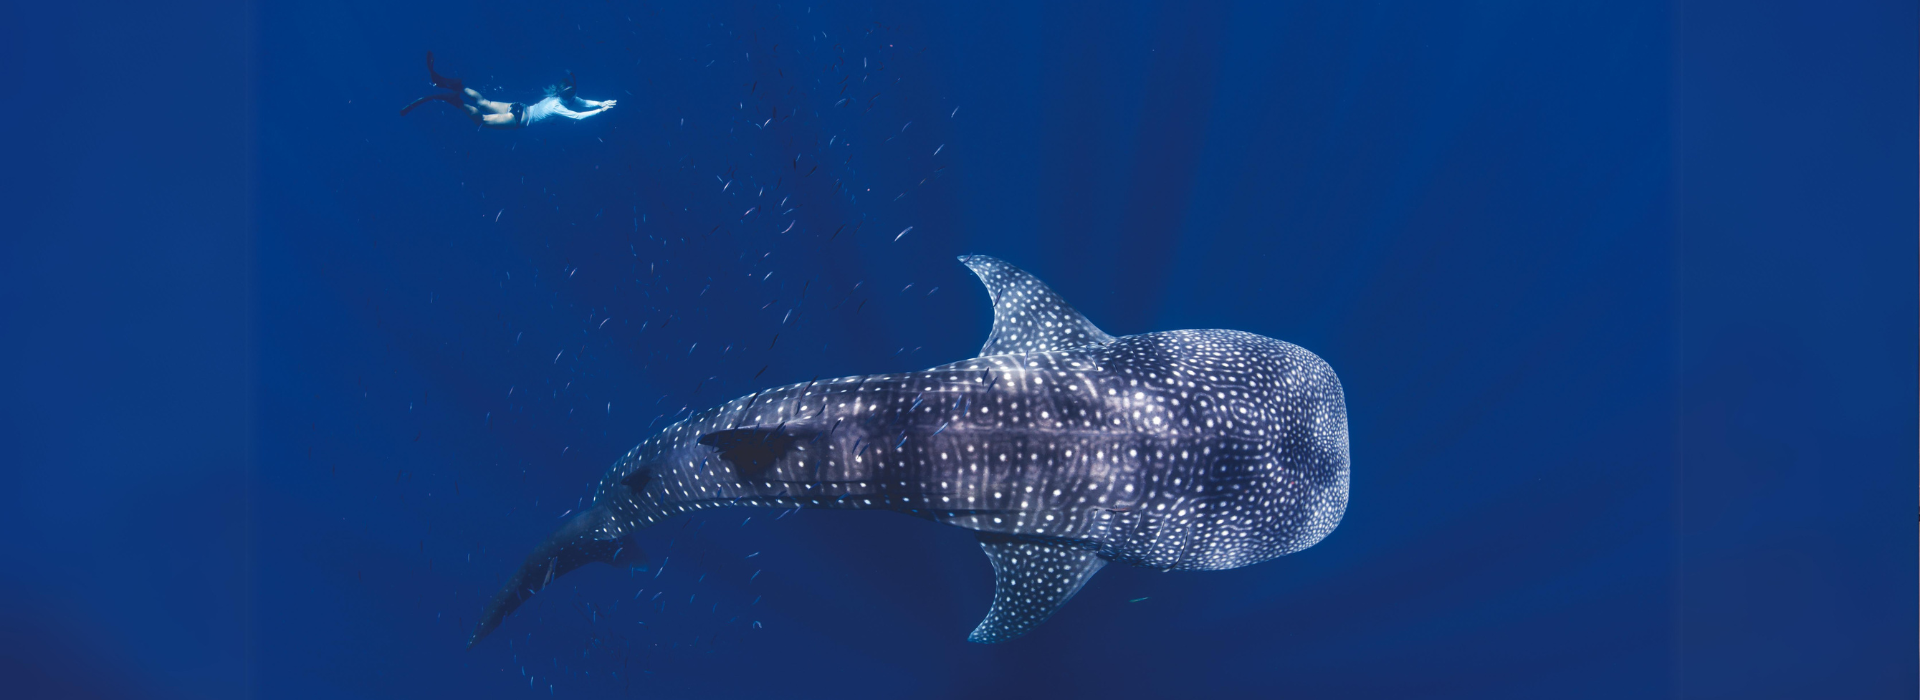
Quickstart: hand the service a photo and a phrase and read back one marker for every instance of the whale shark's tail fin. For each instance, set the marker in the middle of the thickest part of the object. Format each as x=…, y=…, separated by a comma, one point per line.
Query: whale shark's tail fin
x=1030, y=580
x=583, y=540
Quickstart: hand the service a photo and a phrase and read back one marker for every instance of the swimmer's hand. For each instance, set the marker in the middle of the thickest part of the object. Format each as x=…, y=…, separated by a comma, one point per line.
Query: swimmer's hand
x=607, y=104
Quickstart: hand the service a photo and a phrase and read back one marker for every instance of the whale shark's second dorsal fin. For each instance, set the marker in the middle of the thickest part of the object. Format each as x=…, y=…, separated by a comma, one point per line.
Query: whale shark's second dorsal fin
x=1030, y=581
x=753, y=451
x=1028, y=316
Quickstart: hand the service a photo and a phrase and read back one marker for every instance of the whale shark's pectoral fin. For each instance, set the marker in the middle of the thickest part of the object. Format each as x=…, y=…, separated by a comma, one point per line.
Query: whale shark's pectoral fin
x=1030, y=581
x=1027, y=315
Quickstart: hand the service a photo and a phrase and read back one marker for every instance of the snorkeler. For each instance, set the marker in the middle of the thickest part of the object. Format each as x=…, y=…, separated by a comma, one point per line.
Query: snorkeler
x=559, y=100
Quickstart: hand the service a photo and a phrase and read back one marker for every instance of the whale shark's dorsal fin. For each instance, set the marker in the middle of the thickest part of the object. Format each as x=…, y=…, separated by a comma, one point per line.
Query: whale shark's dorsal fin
x=1028, y=316
x=1030, y=581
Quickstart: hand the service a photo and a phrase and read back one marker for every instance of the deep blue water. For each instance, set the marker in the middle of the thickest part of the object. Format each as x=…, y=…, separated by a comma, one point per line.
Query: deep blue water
x=1622, y=296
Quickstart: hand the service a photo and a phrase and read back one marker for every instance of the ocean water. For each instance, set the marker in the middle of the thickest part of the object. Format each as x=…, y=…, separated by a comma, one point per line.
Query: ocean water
x=1621, y=295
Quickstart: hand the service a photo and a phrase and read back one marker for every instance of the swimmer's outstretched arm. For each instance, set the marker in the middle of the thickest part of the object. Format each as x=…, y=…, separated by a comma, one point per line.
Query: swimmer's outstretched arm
x=565, y=110
x=579, y=108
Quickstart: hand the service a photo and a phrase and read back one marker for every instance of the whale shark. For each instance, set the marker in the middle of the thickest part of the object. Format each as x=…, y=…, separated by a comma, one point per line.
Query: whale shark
x=1062, y=447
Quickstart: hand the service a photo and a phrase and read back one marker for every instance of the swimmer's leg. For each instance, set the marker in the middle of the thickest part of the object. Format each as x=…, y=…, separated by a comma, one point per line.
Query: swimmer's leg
x=499, y=121
x=484, y=105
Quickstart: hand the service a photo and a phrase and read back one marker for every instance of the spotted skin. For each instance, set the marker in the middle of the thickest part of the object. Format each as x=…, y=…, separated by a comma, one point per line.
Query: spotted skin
x=1035, y=579
x=1064, y=448
x=1028, y=316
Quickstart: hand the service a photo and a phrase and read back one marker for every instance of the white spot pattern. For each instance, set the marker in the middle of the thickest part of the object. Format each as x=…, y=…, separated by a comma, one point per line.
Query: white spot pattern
x=1027, y=315
x=1033, y=580
x=1064, y=447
